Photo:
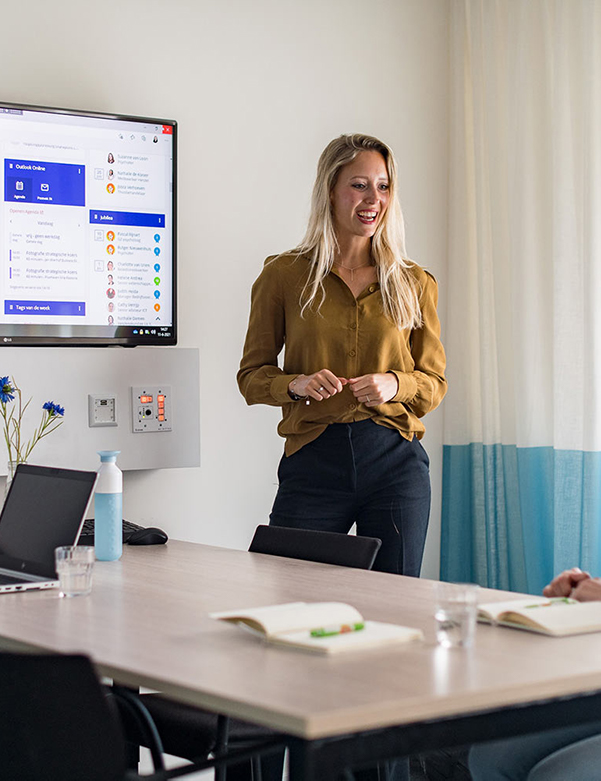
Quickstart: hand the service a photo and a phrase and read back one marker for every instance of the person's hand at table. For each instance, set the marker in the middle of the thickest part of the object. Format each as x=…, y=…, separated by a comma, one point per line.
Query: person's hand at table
x=374, y=389
x=587, y=590
x=318, y=386
x=568, y=582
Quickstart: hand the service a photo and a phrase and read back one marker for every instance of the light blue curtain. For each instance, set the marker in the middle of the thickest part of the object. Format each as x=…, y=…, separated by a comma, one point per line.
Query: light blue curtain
x=514, y=517
x=522, y=454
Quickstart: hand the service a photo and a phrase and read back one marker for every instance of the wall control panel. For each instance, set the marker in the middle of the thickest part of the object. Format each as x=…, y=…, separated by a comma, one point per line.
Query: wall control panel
x=102, y=410
x=151, y=408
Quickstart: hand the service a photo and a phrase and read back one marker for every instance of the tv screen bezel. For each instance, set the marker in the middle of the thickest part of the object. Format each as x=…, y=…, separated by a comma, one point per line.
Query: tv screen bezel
x=116, y=339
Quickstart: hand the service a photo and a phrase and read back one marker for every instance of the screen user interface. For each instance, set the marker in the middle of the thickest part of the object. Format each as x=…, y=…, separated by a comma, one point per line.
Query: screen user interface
x=86, y=227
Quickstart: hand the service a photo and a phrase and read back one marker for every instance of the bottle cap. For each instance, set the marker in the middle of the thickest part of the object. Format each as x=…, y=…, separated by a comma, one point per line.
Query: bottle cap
x=108, y=455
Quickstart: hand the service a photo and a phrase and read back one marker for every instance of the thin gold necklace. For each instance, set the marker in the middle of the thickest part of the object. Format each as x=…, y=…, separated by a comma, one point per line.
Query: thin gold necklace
x=352, y=270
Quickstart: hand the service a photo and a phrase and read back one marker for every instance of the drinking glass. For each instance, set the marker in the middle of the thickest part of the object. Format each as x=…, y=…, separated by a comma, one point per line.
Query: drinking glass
x=74, y=565
x=456, y=611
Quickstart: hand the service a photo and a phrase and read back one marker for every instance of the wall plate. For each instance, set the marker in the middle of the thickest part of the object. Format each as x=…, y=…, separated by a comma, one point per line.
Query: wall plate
x=151, y=408
x=102, y=410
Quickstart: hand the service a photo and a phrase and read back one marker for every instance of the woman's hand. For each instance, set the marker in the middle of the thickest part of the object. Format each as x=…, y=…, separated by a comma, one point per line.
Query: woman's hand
x=318, y=386
x=374, y=389
x=569, y=584
x=588, y=590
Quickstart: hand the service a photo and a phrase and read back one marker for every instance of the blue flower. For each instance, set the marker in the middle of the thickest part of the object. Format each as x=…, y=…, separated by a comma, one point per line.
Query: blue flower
x=6, y=390
x=53, y=409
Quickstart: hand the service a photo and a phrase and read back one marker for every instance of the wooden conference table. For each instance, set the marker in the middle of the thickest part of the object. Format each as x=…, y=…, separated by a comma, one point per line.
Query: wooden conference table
x=146, y=624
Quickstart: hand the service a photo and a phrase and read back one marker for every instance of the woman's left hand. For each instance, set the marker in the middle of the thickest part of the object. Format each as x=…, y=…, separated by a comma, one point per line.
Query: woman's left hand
x=374, y=389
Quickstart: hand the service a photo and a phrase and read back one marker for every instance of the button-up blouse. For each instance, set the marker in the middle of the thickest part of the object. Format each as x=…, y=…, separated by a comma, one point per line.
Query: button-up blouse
x=351, y=337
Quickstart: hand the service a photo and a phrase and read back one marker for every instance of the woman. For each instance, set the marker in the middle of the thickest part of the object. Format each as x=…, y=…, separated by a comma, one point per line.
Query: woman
x=363, y=361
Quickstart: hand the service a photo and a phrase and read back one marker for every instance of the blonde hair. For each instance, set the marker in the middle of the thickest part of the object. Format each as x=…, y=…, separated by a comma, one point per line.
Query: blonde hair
x=398, y=285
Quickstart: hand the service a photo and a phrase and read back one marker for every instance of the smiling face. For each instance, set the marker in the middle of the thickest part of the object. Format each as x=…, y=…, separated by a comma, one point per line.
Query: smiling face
x=360, y=196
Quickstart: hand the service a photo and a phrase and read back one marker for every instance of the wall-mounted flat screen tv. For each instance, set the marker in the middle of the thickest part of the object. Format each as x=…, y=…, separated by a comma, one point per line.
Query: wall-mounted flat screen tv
x=87, y=228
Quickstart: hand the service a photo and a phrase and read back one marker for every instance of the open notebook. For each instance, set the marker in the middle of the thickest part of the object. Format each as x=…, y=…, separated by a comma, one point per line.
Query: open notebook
x=557, y=616
x=324, y=627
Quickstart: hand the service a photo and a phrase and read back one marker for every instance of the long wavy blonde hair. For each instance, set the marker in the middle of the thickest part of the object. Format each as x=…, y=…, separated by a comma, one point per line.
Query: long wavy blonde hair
x=398, y=285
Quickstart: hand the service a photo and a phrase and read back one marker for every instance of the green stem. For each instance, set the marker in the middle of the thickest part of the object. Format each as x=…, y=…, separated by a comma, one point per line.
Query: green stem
x=6, y=430
x=19, y=421
x=48, y=424
x=18, y=449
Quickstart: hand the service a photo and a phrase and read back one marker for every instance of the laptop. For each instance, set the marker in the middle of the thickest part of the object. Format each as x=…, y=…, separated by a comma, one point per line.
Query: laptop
x=44, y=509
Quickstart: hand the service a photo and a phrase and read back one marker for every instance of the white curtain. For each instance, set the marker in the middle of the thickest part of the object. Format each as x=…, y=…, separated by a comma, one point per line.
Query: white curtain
x=522, y=461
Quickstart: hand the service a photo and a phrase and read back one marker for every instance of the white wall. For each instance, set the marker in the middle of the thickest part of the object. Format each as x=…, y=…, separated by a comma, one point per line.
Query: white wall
x=45, y=373
x=258, y=89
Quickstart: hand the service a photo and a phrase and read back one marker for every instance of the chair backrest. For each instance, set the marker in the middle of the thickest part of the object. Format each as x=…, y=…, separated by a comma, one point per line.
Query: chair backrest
x=55, y=721
x=325, y=547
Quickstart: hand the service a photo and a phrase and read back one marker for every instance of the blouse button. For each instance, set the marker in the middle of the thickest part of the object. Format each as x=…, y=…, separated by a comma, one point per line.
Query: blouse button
x=354, y=326
x=352, y=353
x=352, y=406
x=371, y=288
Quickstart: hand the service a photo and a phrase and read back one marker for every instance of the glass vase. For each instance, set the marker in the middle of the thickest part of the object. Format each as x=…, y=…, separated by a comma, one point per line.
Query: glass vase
x=11, y=466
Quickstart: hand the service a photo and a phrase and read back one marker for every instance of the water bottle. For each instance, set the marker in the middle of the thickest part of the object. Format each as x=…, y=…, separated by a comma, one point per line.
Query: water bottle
x=108, y=508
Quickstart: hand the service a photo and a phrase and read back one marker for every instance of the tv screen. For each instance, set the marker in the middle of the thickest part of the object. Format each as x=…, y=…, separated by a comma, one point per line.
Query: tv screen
x=87, y=228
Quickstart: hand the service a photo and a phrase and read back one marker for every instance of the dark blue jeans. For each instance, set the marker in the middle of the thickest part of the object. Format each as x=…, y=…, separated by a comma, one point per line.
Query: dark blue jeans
x=360, y=473
x=370, y=475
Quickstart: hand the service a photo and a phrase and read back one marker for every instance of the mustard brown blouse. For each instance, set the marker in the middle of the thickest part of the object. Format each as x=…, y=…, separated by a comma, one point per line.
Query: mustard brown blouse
x=351, y=337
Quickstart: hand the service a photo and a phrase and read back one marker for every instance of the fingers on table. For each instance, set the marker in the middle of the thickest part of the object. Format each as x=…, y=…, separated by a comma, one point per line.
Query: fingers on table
x=588, y=590
x=565, y=582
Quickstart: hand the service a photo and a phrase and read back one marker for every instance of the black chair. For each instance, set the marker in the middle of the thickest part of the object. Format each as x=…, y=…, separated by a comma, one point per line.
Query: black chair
x=325, y=547
x=185, y=731
x=57, y=723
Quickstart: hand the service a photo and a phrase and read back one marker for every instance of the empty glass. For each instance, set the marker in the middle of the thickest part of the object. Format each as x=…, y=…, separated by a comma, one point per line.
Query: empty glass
x=456, y=611
x=74, y=565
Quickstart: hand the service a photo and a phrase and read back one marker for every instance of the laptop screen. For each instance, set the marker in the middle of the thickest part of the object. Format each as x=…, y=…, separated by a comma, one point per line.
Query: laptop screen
x=44, y=509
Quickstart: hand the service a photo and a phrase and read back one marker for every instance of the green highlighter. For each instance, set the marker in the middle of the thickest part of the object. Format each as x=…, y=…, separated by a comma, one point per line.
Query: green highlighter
x=342, y=629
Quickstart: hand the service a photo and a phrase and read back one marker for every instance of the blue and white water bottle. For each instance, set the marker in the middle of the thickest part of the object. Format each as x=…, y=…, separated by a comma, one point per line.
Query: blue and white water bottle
x=108, y=508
